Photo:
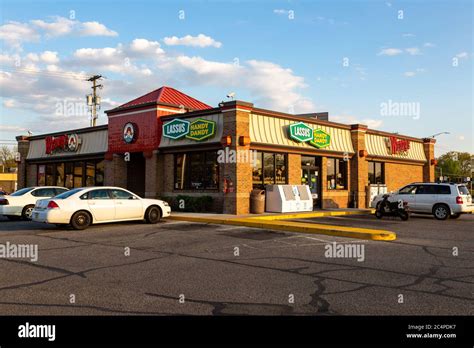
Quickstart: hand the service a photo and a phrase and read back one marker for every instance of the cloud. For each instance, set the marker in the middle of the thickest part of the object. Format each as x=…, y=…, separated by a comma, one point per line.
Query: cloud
x=462, y=55
x=414, y=51
x=408, y=35
x=14, y=34
x=413, y=73
x=390, y=52
x=194, y=41
x=95, y=29
x=349, y=119
x=280, y=11
x=429, y=44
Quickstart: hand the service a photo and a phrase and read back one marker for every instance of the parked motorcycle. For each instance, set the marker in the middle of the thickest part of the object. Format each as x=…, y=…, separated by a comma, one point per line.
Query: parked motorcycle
x=387, y=208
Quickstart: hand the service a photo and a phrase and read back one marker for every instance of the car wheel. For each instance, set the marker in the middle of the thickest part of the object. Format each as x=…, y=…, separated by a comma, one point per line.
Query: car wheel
x=153, y=215
x=13, y=217
x=378, y=214
x=27, y=212
x=441, y=211
x=454, y=216
x=81, y=220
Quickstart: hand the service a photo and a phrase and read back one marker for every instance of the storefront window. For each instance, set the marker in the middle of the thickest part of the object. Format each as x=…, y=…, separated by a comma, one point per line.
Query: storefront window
x=196, y=171
x=376, y=173
x=269, y=168
x=60, y=174
x=78, y=170
x=69, y=174
x=41, y=175
x=336, y=174
x=99, y=173
x=49, y=174
x=90, y=174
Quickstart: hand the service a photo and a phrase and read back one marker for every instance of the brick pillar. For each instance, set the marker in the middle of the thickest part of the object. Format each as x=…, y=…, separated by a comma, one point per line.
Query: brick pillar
x=294, y=169
x=115, y=171
x=151, y=174
x=359, y=170
x=23, y=148
x=236, y=124
x=429, y=167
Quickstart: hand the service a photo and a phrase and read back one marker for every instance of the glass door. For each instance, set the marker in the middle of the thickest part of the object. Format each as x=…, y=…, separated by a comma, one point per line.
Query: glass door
x=311, y=176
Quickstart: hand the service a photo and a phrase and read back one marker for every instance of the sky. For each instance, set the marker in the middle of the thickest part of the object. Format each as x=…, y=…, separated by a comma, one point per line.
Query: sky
x=397, y=66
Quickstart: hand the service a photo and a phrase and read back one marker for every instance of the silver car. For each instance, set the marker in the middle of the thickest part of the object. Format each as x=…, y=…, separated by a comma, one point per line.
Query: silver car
x=443, y=200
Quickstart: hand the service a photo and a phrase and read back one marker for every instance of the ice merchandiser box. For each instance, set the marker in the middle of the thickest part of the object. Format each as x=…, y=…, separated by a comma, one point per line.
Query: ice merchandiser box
x=288, y=198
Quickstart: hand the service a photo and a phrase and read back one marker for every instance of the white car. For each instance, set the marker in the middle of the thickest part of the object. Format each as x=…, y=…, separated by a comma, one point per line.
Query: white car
x=20, y=204
x=443, y=200
x=84, y=206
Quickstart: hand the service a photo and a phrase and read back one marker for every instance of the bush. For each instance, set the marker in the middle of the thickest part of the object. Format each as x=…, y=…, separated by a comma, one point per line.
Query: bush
x=201, y=204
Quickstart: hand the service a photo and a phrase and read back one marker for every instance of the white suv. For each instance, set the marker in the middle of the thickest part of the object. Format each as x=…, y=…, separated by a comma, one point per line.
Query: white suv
x=443, y=200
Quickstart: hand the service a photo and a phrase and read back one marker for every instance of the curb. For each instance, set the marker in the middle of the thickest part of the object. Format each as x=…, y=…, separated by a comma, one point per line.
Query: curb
x=301, y=227
x=312, y=215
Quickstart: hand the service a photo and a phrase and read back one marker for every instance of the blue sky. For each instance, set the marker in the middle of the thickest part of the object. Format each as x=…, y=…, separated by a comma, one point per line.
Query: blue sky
x=345, y=57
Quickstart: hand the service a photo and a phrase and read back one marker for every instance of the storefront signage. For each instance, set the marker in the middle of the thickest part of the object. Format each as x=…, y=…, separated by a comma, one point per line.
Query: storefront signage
x=62, y=143
x=201, y=129
x=176, y=129
x=321, y=139
x=397, y=146
x=198, y=130
x=130, y=132
x=301, y=132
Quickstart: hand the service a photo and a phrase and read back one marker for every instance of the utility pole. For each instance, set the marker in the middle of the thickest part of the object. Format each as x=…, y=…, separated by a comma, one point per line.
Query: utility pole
x=93, y=100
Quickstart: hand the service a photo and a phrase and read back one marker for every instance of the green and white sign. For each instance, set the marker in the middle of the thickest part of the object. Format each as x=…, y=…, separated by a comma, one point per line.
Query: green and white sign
x=301, y=132
x=201, y=129
x=321, y=139
x=176, y=129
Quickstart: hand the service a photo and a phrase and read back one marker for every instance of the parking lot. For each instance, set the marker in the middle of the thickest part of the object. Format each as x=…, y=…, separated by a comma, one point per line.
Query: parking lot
x=192, y=268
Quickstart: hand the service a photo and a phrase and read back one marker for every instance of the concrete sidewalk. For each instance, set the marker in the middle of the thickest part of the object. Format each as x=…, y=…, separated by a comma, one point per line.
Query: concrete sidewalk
x=276, y=221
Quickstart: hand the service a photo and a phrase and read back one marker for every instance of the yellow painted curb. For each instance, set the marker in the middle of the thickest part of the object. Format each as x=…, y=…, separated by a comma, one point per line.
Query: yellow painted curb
x=311, y=215
x=301, y=227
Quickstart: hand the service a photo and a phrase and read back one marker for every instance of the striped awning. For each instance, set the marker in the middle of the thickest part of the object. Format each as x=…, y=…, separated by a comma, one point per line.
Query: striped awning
x=376, y=145
x=274, y=131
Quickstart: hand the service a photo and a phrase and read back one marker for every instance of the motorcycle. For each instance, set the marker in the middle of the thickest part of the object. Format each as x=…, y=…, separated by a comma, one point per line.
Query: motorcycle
x=387, y=208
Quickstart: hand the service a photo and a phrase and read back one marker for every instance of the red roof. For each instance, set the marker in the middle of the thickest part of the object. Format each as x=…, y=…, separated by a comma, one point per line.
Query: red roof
x=167, y=95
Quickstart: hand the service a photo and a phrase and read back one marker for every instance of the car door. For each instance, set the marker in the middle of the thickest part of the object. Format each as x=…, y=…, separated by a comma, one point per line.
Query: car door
x=425, y=196
x=101, y=205
x=127, y=205
x=407, y=194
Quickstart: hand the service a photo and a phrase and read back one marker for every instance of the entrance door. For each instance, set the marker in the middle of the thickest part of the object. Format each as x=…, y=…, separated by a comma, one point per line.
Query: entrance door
x=311, y=176
x=136, y=174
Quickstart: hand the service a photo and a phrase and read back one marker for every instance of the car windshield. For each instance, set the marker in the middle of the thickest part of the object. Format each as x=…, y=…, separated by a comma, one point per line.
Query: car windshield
x=67, y=194
x=463, y=190
x=22, y=191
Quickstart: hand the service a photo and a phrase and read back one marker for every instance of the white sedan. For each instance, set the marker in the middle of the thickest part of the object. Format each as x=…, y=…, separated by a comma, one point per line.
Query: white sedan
x=20, y=204
x=84, y=206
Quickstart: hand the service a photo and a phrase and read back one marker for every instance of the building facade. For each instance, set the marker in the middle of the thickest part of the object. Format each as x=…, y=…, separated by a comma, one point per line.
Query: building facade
x=166, y=144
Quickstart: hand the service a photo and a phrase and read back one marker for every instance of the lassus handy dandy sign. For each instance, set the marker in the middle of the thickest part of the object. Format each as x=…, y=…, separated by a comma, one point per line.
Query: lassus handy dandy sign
x=302, y=133
x=198, y=130
x=62, y=143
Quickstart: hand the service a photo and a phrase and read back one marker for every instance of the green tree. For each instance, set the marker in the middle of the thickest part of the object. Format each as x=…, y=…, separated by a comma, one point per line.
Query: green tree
x=455, y=163
x=7, y=159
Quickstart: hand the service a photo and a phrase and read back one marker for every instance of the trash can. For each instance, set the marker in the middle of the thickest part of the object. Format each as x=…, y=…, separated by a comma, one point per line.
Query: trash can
x=257, y=201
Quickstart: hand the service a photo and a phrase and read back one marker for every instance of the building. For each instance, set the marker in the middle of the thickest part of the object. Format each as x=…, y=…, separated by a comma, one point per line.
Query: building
x=166, y=144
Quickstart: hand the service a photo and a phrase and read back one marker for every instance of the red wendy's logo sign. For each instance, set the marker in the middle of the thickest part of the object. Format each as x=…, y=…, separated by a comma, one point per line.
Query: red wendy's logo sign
x=62, y=143
x=397, y=146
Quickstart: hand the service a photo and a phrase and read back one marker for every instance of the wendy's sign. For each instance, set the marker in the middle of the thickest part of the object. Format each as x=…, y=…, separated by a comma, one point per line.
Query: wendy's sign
x=397, y=146
x=62, y=143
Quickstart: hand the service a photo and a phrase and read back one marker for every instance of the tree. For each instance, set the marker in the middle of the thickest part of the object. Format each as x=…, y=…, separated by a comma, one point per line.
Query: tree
x=455, y=163
x=7, y=158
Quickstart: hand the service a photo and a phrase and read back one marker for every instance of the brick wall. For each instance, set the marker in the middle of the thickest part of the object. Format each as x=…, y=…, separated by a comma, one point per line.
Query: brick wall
x=23, y=147
x=429, y=168
x=115, y=171
x=359, y=166
x=31, y=175
x=398, y=175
